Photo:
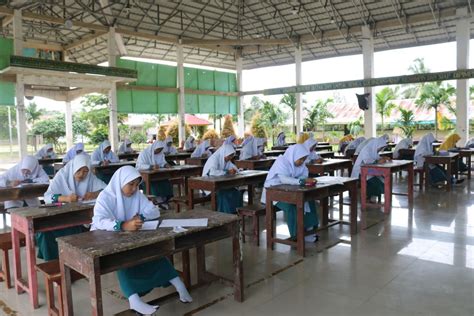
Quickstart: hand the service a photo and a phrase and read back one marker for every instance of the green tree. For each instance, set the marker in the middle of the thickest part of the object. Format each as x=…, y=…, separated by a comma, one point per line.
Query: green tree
x=355, y=127
x=406, y=122
x=433, y=95
x=272, y=118
x=318, y=115
x=51, y=129
x=33, y=113
x=99, y=134
x=80, y=127
x=4, y=134
x=383, y=105
x=138, y=138
x=255, y=104
x=290, y=101
x=411, y=91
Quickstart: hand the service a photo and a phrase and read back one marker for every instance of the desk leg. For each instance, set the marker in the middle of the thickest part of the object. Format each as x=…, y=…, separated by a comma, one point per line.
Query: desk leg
x=238, y=269
x=325, y=211
x=250, y=194
x=186, y=268
x=68, y=307
x=16, y=258
x=200, y=264
x=468, y=162
x=214, y=201
x=387, y=191
x=363, y=189
x=269, y=222
x=411, y=175
x=427, y=175
x=449, y=168
x=190, y=198
x=353, y=208
x=31, y=266
x=95, y=288
x=300, y=227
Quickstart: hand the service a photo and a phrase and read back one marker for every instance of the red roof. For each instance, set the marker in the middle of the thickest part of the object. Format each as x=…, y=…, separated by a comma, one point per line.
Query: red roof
x=190, y=120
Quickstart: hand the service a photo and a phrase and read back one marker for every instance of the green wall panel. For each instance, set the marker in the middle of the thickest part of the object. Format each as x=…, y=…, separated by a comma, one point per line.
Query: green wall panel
x=221, y=80
x=206, y=103
x=222, y=104
x=125, y=63
x=6, y=50
x=232, y=82
x=147, y=74
x=144, y=101
x=167, y=102
x=233, y=105
x=7, y=93
x=192, y=103
x=167, y=76
x=190, y=78
x=205, y=80
x=124, y=101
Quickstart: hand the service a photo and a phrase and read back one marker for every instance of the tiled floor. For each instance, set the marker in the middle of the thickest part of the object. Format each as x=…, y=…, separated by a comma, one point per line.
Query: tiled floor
x=414, y=262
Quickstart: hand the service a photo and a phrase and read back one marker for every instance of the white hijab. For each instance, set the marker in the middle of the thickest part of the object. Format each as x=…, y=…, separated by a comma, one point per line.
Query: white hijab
x=64, y=183
x=148, y=158
x=216, y=164
x=43, y=152
x=354, y=144
x=72, y=152
x=362, y=145
x=249, y=148
x=368, y=154
x=424, y=148
x=403, y=144
x=470, y=143
x=281, y=139
x=201, y=149
x=112, y=205
x=98, y=155
x=313, y=155
x=189, y=144
x=123, y=148
x=169, y=149
x=261, y=145
x=230, y=140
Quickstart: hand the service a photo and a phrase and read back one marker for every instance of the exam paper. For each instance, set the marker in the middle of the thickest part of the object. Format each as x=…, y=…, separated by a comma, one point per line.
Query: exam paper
x=194, y=222
x=329, y=180
x=89, y=201
x=149, y=225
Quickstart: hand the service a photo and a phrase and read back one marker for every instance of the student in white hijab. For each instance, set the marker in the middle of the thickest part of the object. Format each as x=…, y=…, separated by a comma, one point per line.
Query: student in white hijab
x=122, y=207
x=424, y=148
x=230, y=140
x=290, y=168
x=313, y=156
x=281, y=139
x=362, y=145
x=26, y=171
x=47, y=152
x=72, y=152
x=169, y=148
x=202, y=150
x=403, y=144
x=153, y=158
x=369, y=155
x=189, y=144
x=352, y=146
x=261, y=144
x=72, y=183
x=220, y=164
x=470, y=143
x=125, y=147
x=250, y=148
x=104, y=155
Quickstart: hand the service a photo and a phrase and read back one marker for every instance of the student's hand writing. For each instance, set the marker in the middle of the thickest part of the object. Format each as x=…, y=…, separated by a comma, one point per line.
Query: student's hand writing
x=89, y=196
x=232, y=171
x=14, y=183
x=72, y=198
x=105, y=163
x=156, y=167
x=134, y=224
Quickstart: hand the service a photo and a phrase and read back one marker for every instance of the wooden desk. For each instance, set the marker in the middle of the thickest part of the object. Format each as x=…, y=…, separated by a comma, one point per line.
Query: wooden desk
x=274, y=153
x=49, y=161
x=408, y=153
x=111, y=167
x=465, y=153
x=386, y=170
x=215, y=183
x=329, y=166
x=326, y=154
x=180, y=171
x=450, y=161
x=280, y=147
x=260, y=164
x=129, y=156
x=196, y=161
x=298, y=195
x=26, y=191
x=31, y=220
x=324, y=143
x=323, y=147
x=181, y=156
x=388, y=154
x=99, y=252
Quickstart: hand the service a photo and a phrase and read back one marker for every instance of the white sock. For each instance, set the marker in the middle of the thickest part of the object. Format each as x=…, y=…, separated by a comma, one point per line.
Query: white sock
x=138, y=305
x=184, y=295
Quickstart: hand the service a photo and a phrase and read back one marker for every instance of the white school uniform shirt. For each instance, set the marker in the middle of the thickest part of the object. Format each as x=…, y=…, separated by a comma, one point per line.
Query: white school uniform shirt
x=424, y=148
x=113, y=206
x=189, y=144
x=64, y=183
x=169, y=150
x=37, y=175
x=403, y=144
x=43, y=152
x=98, y=155
x=72, y=152
x=148, y=158
x=123, y=148
x=284, y=171
x=281, y=139
x=368, y=154
x=216, y=164
x=201, y=149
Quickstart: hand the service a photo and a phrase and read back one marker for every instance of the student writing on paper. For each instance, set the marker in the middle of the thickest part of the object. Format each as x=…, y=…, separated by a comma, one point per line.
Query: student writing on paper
x=169, y=149
x=103, y=156
x=189, y=144
x=73, y=182
x=289, y=168
x=26, y=171
x=153, y=158
x=73, y=152
x=47, y=152
x=252, y=148
x=450, y=144
x=126, y=147
x=351, y=147
x=122, y=207
x=403, y=144
x=281, y=139
x=219, y=164
x=202, y=150
x=313, y=156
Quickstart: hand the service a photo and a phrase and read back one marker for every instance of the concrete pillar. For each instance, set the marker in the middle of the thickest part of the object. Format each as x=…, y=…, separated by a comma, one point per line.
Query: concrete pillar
x=370, y=123
x=241, y=105
x=113, y=126
x=17, y=33
x=462, y=62
x=68, y=118
x=181, y=97
x=299, y=108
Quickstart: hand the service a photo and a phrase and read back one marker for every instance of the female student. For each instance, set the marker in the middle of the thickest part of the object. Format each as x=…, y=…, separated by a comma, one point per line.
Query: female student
x=352, y=146
x=153, y=158
x=169, y=149
x=72, y=183
x=281, y=139
x=289, y=168
x=189, y=144
x=126, y=147
x=104, y=155
x=47, y=152
x=251, y=148
x=231, y=141
x=370, y=154
x=313, y=156
x=470, y=143
x=202, y=150
x=26, y=171
x=122, y=207
x=219, y=164
x=403, y=144
x=344, y=141
x=73, y=151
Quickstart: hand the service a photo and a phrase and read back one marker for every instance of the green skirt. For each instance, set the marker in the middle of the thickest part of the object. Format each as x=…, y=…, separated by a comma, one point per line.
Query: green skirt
x=49, y=169
x=310, y=219
x=47, y=245
x=161, y=188
x=228, y=200
x=375, y=187
x=143, y=278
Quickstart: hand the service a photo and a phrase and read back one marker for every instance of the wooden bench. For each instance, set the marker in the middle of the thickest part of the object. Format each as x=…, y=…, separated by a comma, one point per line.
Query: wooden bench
x=52, y=276
x=5, y=246
x=253, y=211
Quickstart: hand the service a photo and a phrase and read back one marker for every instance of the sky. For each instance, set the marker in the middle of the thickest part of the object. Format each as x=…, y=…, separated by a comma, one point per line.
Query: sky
x=439, y=57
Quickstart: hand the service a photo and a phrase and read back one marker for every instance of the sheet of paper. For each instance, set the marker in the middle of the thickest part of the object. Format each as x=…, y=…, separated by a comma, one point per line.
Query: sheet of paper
x=150, y=225
x=329, y=180
x=89, y=201
x=192, y=222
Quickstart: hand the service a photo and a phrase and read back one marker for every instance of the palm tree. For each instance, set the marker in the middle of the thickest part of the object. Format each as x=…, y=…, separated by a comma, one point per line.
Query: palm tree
x=272, y=118
x=432, y=96
x=383, y=104
x=318, y=115
x=33, y=113
x=406, y=122
x=418, y=66
x=290, y=101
